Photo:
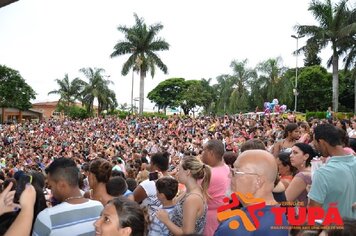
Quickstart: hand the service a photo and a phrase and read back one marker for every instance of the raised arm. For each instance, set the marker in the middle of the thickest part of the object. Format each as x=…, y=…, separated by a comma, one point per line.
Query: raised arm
x=276, y=149
x=23, y=223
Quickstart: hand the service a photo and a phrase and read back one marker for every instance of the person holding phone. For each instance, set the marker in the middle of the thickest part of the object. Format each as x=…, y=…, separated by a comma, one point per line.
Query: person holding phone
x=23, y=223
x=146, y=193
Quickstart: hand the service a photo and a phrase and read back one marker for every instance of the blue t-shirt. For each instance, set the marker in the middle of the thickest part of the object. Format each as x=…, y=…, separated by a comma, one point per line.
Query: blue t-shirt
x=128, y=193
x=267, y=225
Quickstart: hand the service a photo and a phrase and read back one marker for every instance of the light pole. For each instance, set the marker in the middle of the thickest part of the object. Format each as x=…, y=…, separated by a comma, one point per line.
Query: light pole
x=136, y=100
x=132, y=87
x=295, y=90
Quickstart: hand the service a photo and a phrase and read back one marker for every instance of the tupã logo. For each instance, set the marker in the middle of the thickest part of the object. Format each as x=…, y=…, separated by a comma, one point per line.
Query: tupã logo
x=306, y=218
x=226, y=212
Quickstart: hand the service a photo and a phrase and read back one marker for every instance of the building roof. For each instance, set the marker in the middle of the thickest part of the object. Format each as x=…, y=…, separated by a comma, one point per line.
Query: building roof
x=54, y=103
x=36, y=111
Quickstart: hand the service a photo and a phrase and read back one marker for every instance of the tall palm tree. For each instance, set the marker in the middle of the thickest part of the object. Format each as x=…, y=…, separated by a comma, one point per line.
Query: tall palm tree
x=240, y=79
x=272, y=72
x=242, y=75
x=69, y=91
x=349, y=49
x=333, y=28
x=141, y=42
x=350, y=61
x=98, y=88
x=223, y=91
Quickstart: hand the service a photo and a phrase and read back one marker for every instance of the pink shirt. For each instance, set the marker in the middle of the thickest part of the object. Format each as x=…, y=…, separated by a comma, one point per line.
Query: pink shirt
x=219, y=184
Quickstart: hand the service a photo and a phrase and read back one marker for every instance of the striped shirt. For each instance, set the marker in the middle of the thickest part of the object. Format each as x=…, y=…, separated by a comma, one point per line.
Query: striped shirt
x=157, y=228
x=68, y=219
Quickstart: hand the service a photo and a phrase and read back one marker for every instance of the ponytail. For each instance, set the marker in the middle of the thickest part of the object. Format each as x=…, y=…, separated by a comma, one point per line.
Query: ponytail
x=206, y=181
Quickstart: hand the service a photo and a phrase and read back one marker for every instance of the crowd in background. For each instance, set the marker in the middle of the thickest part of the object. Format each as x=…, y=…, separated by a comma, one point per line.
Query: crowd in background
x=157, y=176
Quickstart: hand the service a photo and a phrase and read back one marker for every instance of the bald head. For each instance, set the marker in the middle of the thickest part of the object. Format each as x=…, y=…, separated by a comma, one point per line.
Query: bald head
x=260, y=162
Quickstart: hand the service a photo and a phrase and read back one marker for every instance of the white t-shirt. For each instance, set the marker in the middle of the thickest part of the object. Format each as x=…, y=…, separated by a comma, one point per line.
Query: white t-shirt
x=151, y=201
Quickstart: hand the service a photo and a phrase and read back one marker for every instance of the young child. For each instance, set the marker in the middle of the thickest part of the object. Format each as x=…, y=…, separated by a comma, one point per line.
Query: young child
x=167, y=189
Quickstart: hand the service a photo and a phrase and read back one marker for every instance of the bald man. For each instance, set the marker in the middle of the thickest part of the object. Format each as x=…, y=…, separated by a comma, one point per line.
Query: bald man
x=254, y=172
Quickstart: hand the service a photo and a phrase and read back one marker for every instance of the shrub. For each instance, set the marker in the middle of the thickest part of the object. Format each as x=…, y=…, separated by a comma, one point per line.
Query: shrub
x=77, y=112
x=322, y=115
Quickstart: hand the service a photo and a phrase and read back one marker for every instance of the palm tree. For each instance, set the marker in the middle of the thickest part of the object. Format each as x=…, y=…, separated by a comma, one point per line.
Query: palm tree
x=349, y=49
x=334, y=27
x=223, y=90
x=240, y=79
x=350, y=61
x=98, y=87
x=68, y=90
x=272, y=72
x=210, y=95
x=141, y=42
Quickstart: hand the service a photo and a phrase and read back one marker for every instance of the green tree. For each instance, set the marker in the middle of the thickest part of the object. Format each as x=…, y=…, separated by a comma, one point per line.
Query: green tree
x=258, y=94
x=286, y=86
x=69, y=91
x=271, y=74
x=142, y=43
x=210, y=95
x=313, y=86
x=241, y=78
x=76, y=112
x=346, y=89
x=14, y=91
x=311, y=54
x=193, y=96
x=98, y=88
x=223, y=91
x=167, y=93
x=334, y=27
x=349, y=49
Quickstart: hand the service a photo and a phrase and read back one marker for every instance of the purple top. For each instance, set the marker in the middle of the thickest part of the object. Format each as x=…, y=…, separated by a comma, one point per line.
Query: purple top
x=303, y=197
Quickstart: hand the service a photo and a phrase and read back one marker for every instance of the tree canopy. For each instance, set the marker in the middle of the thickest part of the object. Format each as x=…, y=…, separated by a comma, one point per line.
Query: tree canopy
x=177, y=92
x=14, y=91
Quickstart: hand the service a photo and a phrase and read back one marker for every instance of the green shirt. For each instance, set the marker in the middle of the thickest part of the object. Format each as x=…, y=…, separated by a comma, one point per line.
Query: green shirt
x=335, y=182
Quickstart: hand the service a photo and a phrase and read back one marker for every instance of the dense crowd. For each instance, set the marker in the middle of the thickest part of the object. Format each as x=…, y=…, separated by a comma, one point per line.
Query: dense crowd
x=154, y=176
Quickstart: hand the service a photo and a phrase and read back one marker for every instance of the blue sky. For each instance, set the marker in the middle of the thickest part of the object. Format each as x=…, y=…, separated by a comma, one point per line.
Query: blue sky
x=44, y=39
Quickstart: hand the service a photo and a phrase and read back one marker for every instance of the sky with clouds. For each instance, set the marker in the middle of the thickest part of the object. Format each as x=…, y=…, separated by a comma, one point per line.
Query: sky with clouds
x=44, y=39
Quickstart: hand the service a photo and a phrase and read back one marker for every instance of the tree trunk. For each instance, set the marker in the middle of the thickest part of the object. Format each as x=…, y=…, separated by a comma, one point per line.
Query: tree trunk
x=142, y=91
x=3, y=115
x=335, y=64
x=20, y=116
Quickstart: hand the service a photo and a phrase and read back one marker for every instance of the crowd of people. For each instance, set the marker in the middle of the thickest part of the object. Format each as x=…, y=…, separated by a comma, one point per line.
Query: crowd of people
x=155, y=176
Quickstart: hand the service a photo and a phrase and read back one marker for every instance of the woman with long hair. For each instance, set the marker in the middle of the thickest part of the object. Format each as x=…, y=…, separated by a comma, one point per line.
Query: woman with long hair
x=301, y=157
x=189, y=215
x=291, y=135
x=285, y=169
